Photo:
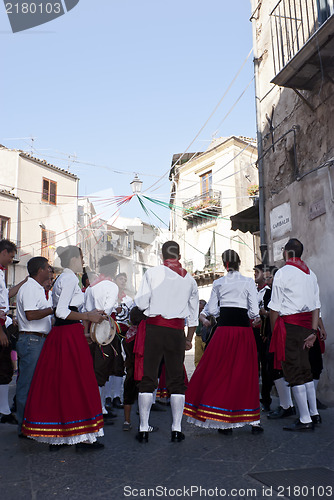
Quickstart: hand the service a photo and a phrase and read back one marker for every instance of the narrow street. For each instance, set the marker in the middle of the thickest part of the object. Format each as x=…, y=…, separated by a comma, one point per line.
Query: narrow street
x=220, y=465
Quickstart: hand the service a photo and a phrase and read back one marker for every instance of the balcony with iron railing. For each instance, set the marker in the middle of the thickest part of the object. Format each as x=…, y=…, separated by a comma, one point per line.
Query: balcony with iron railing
x=204, y=206
x=302, y=37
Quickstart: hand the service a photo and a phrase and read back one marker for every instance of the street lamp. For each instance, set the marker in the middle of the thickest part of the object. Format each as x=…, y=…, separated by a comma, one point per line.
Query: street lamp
x=136, y=185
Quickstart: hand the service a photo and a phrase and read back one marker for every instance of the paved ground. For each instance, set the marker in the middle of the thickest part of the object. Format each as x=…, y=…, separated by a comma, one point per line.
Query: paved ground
x=220, y=465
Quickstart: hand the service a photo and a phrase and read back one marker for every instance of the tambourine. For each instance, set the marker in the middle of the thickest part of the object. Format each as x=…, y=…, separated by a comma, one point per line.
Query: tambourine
x=103, y=333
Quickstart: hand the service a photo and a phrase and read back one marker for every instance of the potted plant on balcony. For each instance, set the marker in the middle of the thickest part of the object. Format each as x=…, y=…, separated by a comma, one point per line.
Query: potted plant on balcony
x=253, y=192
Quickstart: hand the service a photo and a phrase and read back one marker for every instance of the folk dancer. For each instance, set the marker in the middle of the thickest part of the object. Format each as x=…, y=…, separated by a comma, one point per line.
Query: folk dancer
x=64, y=377
x=294, y=315
x=223, y=392
x=167, y=295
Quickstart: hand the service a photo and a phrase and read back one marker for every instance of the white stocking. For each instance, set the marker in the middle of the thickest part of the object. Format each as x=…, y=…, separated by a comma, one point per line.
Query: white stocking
x=299, y=392
x=155, y=394
x=108, y=387
x=316, y=382
x=117, y=386
x=4, y=406
x=102, y=392
x=311, y=398
x=177, y=406
x=144, y=403
x=284, y=393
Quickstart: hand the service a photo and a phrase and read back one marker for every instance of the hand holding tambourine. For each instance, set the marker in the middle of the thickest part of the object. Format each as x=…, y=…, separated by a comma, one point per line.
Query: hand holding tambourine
x=96, y=316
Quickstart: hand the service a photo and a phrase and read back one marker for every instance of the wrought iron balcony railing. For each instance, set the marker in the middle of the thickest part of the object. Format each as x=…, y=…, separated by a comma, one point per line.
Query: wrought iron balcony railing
x=206, y=204
x=293, y=23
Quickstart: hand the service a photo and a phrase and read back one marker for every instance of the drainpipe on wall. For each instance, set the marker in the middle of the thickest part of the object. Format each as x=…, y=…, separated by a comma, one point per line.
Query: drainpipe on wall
x=256, y=60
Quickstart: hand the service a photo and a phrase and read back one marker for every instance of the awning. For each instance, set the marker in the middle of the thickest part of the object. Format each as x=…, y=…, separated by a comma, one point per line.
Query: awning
x=247, y=220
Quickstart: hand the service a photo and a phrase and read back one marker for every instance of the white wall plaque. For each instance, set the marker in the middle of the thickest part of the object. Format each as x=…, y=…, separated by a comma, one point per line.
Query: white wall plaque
x=278, y=249
x=280, y=220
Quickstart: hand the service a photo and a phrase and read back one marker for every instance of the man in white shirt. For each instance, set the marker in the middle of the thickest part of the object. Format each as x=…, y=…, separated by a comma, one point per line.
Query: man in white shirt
x=34, y=312
x=294, y=318
x=102, y=294
x=167, y=295
x=7, y=253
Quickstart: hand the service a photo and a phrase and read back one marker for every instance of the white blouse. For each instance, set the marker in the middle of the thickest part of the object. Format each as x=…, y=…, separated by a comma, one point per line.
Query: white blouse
x=233, y=290
x=66, y=292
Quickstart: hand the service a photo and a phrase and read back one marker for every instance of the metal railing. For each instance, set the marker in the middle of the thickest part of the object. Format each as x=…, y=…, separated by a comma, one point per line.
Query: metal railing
x=207, y=199
x=292, y=23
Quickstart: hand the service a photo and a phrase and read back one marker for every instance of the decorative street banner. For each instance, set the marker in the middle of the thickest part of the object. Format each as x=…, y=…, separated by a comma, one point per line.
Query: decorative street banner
x=24, y=15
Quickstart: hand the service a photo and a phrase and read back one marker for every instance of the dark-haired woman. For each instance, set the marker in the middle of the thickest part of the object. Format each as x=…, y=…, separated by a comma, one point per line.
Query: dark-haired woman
x=64, y=405
x=223, y=392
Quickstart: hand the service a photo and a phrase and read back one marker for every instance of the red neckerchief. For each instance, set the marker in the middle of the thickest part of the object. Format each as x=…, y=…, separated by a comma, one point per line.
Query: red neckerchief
x=2, y=268
x=262, y=286
x=121, y=296
x=299, y=263
x=174, y=265
x=100, y=278
x=47, y=294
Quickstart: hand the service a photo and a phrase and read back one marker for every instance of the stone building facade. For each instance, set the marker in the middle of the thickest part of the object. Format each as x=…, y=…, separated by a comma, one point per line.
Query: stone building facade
x=294, y=73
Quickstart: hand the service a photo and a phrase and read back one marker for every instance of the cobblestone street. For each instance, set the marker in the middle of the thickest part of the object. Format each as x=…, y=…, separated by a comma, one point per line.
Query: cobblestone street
x=220, y=465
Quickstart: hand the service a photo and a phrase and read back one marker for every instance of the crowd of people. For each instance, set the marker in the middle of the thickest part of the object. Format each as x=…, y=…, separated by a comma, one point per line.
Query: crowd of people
x=82, y=348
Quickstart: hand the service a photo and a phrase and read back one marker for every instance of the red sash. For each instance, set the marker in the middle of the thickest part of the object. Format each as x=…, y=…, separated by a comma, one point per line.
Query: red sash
x=277, y=344
x=138, y=348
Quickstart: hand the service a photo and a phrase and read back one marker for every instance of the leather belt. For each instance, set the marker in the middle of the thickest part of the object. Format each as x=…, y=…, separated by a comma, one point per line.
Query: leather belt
x=39, y=334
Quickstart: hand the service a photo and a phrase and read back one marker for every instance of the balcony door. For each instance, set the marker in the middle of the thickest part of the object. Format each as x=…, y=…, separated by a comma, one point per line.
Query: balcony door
x=206, y=185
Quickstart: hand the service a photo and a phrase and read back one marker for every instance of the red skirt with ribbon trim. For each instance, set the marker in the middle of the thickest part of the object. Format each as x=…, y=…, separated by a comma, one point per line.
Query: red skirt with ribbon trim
x=64, y=404
x=224, y=389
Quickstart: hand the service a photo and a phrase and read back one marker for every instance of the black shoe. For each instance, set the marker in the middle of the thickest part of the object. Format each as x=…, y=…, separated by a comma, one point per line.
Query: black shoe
x=111, y=414
x=316, y=419
x=8, y=419
x=142, y=436
x=257, y=429
x=116, y=403
x=299, y=426
x=89, y=446
x=56, y=447
x=108, y=403
x=156, y=407
x=282, y=413
x=177, y=437
x=265, y=407
x=226, y=432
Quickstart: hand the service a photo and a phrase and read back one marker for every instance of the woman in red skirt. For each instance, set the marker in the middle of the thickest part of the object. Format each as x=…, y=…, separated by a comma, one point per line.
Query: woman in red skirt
x=64, y=405
x=223, y=392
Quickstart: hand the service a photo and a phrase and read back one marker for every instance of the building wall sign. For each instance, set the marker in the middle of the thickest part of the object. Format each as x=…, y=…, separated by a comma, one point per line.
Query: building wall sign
x=280, y=220
x=317, y=208
x=278, y=247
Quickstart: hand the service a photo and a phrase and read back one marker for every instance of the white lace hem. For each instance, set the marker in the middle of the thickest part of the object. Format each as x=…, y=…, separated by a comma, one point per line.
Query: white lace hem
x=213, y=424
x=90, y=438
